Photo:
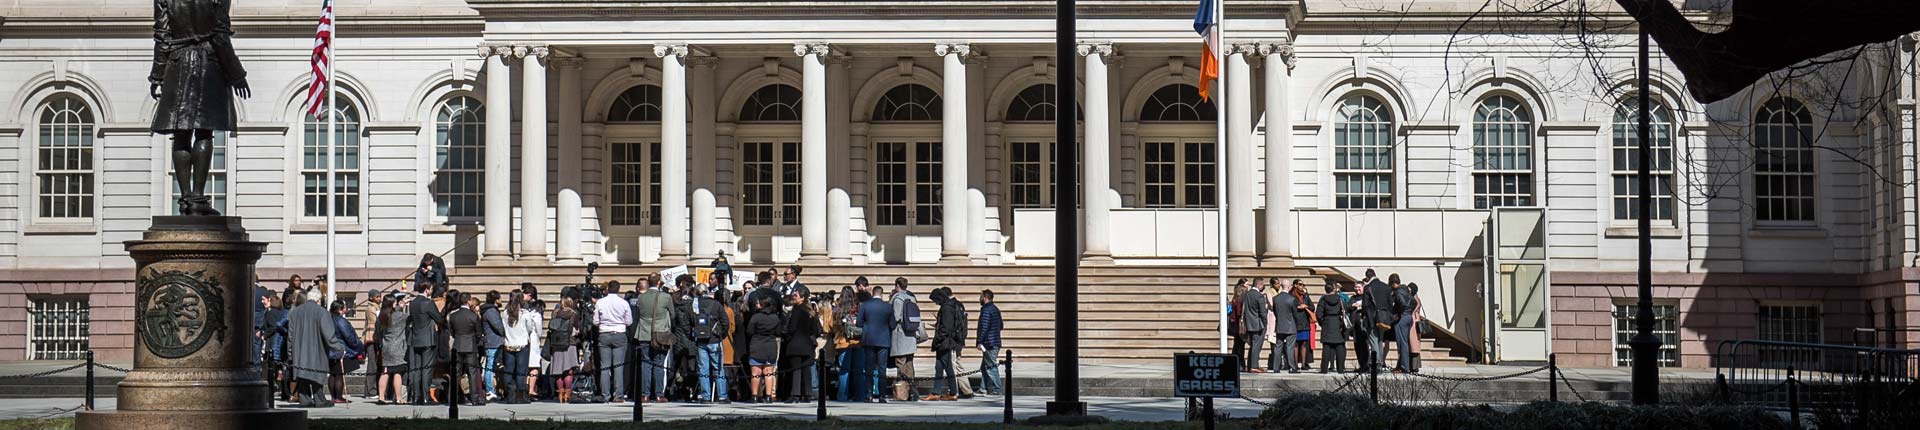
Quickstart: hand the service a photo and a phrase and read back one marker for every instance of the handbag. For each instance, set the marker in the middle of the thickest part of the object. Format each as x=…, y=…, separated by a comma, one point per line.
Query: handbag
x=854, y=331
x=663, y=340
x=1424, y=327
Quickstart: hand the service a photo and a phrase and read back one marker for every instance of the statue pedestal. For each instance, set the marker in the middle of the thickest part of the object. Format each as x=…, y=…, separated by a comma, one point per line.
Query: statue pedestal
x=193, y=332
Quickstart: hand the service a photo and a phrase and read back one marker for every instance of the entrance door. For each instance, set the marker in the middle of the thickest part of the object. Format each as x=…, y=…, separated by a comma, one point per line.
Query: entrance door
x=1519, y=327
x=633, y=212
x=907, y=197
x=770, y=199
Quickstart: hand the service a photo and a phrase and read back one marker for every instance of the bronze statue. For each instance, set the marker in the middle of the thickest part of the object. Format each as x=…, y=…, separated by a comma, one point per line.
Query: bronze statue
x=194, y=67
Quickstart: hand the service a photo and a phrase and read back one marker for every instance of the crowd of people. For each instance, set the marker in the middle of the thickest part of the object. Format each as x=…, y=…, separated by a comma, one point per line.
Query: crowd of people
x=1371, y=313
x=662, y=340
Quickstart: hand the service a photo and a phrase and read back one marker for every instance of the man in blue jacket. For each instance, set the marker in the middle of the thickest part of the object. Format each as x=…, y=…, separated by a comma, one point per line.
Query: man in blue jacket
x=876, y=337
x=987, y=339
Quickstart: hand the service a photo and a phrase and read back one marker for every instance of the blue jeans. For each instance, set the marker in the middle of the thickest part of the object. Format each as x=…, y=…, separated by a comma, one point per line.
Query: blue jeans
x=653, y=372
x=944, y=383
x=990, y=372
x=488, y=362
x=516, y=370
x=848, y=361
x=713, y=373
x=1403, y=337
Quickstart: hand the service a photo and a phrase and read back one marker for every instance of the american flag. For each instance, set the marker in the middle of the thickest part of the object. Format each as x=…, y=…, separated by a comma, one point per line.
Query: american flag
x=322, y=61
x=1207, y=23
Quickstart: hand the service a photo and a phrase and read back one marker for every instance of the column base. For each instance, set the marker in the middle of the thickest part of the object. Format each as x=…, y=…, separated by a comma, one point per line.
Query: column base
x=956, y=259
x=814, y=257
x=676, y=259
x=569, y=261
x=1092, y=259
x=532, y=260
x=496, y=259
x=840, y=260
x=1282, y=260
x=1241, y=259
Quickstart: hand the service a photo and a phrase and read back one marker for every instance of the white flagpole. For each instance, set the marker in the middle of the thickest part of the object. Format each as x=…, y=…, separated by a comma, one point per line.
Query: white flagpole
x=332, y=140
x=1220, y=159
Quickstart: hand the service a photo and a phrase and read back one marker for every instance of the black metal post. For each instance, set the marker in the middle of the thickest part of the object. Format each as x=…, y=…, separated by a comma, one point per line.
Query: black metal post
x=453, y=390
x=1373, y=383
x=1066, y=319
x=1646, y=346
x=1006, y=388
x=639, y=408
x=271, y=379
x=1553, y=378
x=820, y=385
x=1793, y=398
x=89, y=380
x=1207, y=406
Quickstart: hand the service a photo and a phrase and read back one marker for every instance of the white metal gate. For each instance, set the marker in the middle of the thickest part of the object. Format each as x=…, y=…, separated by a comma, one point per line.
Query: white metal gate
x=1518, y=294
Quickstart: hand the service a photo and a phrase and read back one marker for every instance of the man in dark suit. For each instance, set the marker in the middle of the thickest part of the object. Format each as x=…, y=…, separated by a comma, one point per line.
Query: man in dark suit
x=876, y=338
x=469, y=334
x=1379, y=308
x=1285, y=306
x=423, y=325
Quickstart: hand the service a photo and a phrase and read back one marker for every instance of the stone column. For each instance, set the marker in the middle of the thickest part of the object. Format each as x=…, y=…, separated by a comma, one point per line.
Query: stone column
x=1239, y=204
x=813, y=151
x=193, y=341
x=533, y=152
x=498, y=220
x=953, y=153
x=838, y=246
x=702, y=244
x=673, y=151
x=1279, y=215
x=1097, y=176
x=566, y=229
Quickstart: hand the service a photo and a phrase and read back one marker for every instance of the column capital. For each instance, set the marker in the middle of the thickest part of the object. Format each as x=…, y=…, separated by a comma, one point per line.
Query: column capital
x=1247, y=48
x=961, y=49
x=532, y=52
x=488, y=50
x=819, y=49
x=664, y=50
x=1094, y=47
x=1283, y=48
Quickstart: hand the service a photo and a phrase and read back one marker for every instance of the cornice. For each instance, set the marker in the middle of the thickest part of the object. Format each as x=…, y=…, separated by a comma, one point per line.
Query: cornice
x=249, y=26
x=521, y=10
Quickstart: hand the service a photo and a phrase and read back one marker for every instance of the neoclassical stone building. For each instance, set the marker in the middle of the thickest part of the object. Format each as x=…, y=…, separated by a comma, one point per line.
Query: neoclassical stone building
x=546, y=134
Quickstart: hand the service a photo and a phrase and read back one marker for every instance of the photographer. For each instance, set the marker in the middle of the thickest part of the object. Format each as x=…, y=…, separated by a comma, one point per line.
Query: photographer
x=612, y=316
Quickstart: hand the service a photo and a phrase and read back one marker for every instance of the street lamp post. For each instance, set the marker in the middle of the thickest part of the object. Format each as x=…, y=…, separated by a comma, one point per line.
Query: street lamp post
x=1646, y=346
x=1066, y=319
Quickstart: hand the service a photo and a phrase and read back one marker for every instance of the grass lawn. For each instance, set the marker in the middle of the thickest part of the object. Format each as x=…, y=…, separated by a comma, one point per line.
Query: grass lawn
x=706, y=424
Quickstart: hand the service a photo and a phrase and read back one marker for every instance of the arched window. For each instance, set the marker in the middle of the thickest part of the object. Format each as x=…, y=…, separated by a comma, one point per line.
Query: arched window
x=459, y=161
x=1177, y=102
x=1626, y=161
x=772, y=103
x=908, y=102
x=1363, y=154
x=638, y=104
x=1783, y=170
x=63, y=168
x=1502, y=153
x=346, y=162
x=1033, y=104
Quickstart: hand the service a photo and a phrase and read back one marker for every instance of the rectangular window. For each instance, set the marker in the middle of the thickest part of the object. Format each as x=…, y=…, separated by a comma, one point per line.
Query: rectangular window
x=460, y=168
x=65, y=170
x=216, y=176
x=346, y=164
x=1626, y=166
x=1180, y=174
x=636, y=183
x=57, y=327
x=1363, y=165
x=1665, y=325
x=1502, y=165
x=770, y=183
x=1790, y=323
x=1783, y=178
x=907, y=183
x=1032, y=169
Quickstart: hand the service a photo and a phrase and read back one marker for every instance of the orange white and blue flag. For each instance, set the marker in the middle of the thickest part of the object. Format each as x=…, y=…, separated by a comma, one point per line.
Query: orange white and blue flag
x=1207, y=23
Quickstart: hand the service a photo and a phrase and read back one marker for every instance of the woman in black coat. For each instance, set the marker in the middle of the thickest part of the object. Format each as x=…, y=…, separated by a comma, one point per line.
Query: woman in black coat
x=801, y=332
x=763, y=347
x=1332, y=311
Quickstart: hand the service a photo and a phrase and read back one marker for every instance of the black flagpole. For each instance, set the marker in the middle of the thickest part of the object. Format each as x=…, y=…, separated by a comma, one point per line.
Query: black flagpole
x=1066, y=255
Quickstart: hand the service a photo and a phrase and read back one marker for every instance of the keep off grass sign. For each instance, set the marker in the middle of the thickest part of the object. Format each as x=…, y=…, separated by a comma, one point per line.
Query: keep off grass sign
x=1206, y=375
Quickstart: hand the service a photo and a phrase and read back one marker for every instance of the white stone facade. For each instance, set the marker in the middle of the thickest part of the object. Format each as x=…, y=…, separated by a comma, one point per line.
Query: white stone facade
x=549, y=74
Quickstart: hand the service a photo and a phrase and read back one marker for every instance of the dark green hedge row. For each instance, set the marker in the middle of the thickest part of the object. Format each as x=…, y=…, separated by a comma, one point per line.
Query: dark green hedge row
x=1340, y=411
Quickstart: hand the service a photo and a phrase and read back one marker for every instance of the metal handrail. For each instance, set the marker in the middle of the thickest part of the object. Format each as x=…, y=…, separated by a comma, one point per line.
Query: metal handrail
x=1845, y=376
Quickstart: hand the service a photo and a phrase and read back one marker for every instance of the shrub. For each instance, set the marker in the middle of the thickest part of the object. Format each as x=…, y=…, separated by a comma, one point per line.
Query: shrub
x=1342, y=411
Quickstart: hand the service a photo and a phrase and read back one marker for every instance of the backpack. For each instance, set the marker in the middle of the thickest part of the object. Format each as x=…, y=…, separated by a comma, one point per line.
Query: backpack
x=911, y=322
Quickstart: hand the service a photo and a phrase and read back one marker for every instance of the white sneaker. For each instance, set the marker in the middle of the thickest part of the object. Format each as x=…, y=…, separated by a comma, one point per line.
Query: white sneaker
x=492, y=397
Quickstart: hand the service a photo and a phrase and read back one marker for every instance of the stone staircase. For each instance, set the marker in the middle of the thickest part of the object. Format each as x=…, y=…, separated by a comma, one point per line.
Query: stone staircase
x=1128, y=314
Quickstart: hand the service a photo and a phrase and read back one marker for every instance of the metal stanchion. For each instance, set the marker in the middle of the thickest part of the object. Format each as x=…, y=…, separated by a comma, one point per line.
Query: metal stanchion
x=1553, y=379
x=820, y=384
x=271, y=378
x=453, y=390
x=1207, y=406
x=1006, y=387
x=639, y=410
x=1793, y=398
x=1373, y=384
x=89, y=380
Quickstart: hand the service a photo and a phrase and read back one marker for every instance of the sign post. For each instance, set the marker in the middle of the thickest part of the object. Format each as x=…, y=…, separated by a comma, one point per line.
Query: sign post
x=1206, y=376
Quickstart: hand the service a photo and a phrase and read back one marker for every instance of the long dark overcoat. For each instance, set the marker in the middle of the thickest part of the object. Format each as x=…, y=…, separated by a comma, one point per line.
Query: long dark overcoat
x=195, y=65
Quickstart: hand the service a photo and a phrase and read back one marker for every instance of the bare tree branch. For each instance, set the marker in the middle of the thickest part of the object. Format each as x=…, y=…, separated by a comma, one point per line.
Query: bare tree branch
x=1767, y=35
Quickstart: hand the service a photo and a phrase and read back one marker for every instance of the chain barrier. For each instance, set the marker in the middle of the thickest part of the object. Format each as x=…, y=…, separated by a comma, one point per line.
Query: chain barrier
x=113, y=368
x=59, y=412
x=1569, y=384
x=42, y=374
x=1478, y=378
